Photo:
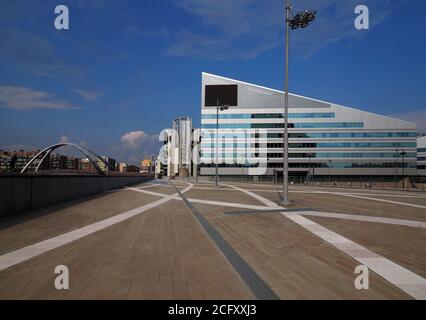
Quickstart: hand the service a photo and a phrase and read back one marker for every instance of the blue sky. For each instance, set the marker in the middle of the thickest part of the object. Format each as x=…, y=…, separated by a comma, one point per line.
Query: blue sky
x=127, y=67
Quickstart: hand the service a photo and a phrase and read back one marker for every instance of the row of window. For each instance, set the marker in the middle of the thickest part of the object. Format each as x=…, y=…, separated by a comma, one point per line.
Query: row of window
x=270, y=116
x=316, y=145
x=338, y=165
x=421, y=150
x=421, y=159
x=317, y=135
x=316, y=165
x=324, y=125
x=324, y=155
x=228, y=165
x=328, y=155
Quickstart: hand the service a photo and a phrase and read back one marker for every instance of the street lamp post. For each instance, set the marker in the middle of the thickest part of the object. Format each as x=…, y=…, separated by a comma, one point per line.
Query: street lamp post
x=395, y=171
x=403, y=153
x=309, y=172
x=301, y=20
x=222, y=108
x=285, y=200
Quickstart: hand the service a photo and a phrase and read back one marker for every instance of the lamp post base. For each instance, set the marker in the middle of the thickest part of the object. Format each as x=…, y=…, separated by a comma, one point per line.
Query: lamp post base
x=287, y=203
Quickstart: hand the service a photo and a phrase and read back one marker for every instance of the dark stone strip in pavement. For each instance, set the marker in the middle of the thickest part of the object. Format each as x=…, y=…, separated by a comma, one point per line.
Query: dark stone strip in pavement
x=251, y=212
x=258, y=287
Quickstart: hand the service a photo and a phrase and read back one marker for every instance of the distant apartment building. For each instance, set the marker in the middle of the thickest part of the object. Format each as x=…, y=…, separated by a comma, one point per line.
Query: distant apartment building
x=5, y=161
x=58, y=162
x=122, y=167
x=125, y=167
x=72, y=163
x=15, y=161
x=132, y=168
x=23, y=157
x=87, y=166
x=421, y=156
x=105, y=168
x=146, y=166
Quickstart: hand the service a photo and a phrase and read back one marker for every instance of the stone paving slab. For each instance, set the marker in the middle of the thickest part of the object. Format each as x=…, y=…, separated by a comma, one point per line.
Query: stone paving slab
x=403, y=245
x=68, y=219
x=294, y=262
x=161, y=254
x=223, y=195
x=358, y=190
x=162, y=189
x=164, y=253
x=410, y=200
x=349, y=205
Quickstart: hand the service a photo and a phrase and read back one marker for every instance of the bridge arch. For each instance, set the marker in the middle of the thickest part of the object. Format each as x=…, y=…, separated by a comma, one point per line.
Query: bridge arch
x=92, y=156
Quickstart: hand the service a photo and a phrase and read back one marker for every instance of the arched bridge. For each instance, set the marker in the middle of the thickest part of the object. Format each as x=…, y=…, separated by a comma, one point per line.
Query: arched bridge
x=92, y=156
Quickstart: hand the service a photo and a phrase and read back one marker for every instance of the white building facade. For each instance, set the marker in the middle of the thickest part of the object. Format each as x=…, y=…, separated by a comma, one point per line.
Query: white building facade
x=325, y=139
x=182, y=146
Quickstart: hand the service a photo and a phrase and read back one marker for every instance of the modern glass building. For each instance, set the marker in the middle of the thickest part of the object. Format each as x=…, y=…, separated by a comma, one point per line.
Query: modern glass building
x=325, y=139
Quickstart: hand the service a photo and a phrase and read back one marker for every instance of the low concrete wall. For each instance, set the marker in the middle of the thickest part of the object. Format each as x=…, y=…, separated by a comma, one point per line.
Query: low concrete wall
x=21, y=193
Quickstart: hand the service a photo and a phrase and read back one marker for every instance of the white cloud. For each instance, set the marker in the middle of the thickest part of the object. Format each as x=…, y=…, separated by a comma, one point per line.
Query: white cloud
x=135, y=146
x=64, y=139
x=133, y=139
x=22, y=98
x=88, y=95
x=243, y=29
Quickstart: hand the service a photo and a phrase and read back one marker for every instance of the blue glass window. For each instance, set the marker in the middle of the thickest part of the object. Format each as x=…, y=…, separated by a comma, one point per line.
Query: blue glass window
x=348, y=135
x=318, y=135
x=321, y=145
x=367, y=145
x=325, y=155
x=281, y=125
x=271, y=115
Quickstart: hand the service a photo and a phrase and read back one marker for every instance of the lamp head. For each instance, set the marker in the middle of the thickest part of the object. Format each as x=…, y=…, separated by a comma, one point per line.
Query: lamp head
x=302, y=19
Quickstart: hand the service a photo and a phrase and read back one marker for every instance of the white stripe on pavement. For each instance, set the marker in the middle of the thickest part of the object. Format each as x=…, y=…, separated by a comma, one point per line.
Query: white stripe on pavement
x=381, y=200
x=157, y=194
x=404, y=279
x=399, y=222
x=211, y=202
x=15, y=257
x=267, y=202
x=229, y=204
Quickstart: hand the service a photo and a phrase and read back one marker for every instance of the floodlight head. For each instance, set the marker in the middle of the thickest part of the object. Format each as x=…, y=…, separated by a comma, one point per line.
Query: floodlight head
x=302, y=19
x=310, y=15
x=224, y=107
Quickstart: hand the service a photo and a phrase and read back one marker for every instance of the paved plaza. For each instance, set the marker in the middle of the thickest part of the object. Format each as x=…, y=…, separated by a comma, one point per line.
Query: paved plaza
x=187, y=240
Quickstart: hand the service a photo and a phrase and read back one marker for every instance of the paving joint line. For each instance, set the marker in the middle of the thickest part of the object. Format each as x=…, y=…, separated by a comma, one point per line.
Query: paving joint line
x=257, y=285
x=278, y=211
